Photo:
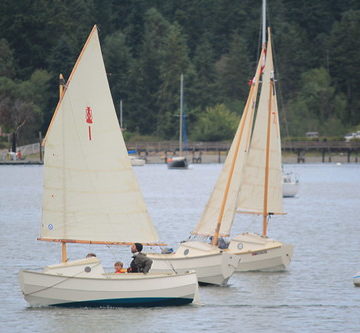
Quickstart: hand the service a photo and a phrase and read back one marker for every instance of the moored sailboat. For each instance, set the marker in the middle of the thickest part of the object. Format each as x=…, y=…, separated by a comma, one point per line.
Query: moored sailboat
x=91, y=196
x=251, y=179
x=179, y=162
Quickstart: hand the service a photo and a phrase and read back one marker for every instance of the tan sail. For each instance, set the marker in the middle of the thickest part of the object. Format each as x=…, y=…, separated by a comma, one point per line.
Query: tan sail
x=262, y=174
x=90, y=194
x=221, y=206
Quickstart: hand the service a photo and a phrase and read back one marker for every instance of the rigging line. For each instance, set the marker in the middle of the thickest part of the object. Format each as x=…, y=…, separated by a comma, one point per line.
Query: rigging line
x=282, y=106
x=56, y=284
x=170, y=264
x=279, y=93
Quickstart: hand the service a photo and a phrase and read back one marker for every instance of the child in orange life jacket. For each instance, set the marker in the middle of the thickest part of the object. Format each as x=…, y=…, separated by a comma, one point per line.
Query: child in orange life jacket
x=119, y=267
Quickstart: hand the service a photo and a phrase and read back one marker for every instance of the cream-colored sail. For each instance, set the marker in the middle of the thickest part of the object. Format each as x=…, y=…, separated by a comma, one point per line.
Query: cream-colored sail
x=266, y=132
x=221, y=206
x=90, y=191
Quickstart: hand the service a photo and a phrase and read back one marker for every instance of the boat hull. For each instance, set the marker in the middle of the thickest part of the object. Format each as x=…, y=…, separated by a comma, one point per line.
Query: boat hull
x=290, y=186
x=211, y=264
x=137, y=161
x=257, y=253
x=79, y=288
x=178, y=163
x=356, y=280
x=290, y=190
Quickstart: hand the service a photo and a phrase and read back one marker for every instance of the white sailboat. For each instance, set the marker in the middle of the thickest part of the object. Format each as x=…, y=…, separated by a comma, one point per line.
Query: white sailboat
x=251, y=179
x=91, y=196
x=179, y=162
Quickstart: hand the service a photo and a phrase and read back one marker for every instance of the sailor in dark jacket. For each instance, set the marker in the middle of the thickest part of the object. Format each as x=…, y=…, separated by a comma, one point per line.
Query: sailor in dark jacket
x=140, y=263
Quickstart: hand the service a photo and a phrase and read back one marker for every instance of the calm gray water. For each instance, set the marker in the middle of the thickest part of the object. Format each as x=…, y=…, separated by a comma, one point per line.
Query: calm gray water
x=316, y=294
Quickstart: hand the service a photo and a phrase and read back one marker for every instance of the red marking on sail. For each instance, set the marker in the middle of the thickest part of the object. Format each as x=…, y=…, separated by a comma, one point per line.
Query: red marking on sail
x=89, y=118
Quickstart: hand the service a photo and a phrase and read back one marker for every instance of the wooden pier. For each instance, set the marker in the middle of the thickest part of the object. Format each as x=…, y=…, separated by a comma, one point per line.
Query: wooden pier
x=216, y=152
x=302, y=149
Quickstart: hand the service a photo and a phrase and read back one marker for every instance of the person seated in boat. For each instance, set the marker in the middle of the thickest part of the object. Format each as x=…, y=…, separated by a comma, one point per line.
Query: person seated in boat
x=222, y=243
x=140, y=263
x=119, y=267
x=90, y=255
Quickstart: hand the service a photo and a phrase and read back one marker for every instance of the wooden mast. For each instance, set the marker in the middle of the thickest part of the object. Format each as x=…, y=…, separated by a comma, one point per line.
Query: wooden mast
x=61, y=94
x=267, y=152
x=267, y=164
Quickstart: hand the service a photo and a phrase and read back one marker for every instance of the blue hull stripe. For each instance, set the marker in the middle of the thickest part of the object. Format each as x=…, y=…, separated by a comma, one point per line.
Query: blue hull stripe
x=128, y=302
x=356, y=277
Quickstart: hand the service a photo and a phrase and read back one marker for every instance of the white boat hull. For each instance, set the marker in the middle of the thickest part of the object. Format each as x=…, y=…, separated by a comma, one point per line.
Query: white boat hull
x=290, y=186
x=135, y=161
x=290, y=190
x=211, y=264
x=70, y=285
x=356, y=280
x=257, y=253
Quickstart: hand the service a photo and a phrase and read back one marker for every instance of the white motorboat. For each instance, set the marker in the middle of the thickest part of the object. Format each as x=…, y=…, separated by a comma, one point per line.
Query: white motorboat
x=290, y=185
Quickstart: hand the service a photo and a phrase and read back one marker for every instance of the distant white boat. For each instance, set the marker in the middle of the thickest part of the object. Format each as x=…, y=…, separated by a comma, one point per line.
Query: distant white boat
x=356, y=280
x=91, y=196
x=177, y=162
x=290, y=185
x=137, y=161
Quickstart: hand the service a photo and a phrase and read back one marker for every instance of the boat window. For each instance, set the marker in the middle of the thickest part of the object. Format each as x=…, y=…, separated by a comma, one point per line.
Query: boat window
x=186, y=252
x=87, y=269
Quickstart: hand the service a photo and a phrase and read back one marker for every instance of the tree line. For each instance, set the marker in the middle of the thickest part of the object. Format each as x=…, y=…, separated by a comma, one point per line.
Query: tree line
x=148, y=44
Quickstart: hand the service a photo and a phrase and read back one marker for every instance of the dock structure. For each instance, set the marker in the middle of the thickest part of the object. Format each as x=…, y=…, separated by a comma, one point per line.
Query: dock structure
x=216, y=152
x=303, y=150
x=327, y=149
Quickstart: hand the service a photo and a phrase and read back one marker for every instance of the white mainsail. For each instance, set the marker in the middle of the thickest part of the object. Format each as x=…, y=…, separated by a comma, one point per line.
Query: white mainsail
x=266, y=135
x=90, y=191
x=220, y=207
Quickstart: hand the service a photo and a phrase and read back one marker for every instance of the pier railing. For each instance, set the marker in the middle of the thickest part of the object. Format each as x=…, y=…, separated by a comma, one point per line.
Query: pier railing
x=300, y=148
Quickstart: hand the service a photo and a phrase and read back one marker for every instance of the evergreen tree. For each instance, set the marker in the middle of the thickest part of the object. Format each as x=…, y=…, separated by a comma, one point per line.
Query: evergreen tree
x=235, y=70
x=175, y=62
x=205, y=89
x=118, y=61
x=317, y=106
x=7, y=63
x=146, y=82
x=344, y=50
